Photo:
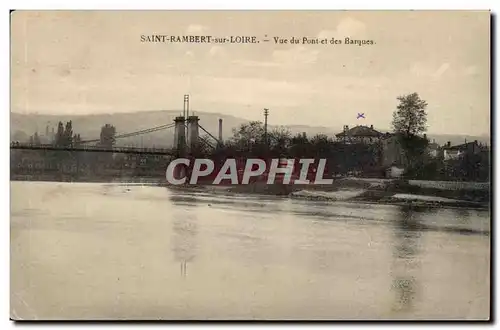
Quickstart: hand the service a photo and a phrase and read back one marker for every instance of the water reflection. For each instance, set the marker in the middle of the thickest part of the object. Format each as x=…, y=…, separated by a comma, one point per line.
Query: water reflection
x=407, y=233
x=184, y=236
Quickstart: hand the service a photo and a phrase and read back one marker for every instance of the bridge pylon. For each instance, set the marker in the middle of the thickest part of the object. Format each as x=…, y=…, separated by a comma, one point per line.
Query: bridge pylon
x=180, y=135
x=193, y=132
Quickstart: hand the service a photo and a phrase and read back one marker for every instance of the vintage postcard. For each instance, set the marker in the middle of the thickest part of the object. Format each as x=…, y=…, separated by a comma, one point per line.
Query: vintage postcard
x=250, y=165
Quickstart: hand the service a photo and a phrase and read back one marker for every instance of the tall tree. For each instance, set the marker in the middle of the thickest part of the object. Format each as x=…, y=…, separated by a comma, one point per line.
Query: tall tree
x=409, y=121
x=59, y=138
x=107, y=138
x=280, y=138
x=68, y=134
x=253, y=132
x=410, y=117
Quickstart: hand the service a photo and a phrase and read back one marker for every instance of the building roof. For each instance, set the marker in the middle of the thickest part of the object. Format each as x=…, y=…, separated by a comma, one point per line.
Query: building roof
x=361, y=131
x=463, y=146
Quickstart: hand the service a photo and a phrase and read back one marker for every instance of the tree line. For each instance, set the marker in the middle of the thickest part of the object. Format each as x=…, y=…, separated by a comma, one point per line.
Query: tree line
x=64, y=137
x=409, y=124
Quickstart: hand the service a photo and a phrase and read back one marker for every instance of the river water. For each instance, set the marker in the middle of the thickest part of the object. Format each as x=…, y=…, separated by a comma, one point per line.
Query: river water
x=108, y=251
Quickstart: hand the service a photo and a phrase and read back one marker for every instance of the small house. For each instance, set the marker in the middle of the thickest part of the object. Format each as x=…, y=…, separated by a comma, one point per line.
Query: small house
x=359, y=134
x=455, y=152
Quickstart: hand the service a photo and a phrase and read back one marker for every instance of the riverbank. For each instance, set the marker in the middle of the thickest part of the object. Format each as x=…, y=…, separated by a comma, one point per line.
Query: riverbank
x=388, y=198
x=380, y=191
x=369, y=191
x=475, y=192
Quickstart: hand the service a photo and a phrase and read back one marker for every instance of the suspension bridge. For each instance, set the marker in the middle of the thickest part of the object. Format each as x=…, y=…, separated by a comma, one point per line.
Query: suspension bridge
x=186, y=138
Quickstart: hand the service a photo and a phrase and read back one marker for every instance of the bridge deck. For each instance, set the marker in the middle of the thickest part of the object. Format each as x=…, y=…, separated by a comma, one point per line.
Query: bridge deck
x=125, y=150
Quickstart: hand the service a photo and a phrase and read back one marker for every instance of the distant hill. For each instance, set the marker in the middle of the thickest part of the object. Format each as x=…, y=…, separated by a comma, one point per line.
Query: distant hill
x=89, y=127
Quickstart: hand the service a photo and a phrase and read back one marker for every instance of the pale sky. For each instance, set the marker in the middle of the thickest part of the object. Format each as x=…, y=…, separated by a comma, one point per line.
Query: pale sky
x=94, y=62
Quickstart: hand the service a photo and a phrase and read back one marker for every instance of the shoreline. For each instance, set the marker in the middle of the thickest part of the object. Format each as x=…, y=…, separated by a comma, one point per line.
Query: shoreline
x=390, y=192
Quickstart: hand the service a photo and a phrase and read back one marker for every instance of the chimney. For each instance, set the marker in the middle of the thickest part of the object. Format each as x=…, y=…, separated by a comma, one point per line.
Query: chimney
x=371, y=126
x=220, y=130
x=448, y=144
x=346, y=128
x=425, y=136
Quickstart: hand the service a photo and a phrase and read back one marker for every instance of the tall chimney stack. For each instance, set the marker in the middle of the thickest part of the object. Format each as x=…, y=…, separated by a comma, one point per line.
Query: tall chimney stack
x=220, y=130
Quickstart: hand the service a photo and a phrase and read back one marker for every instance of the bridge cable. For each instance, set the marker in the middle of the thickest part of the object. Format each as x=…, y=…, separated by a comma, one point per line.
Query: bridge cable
x=213, y=137
x=144, y=131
